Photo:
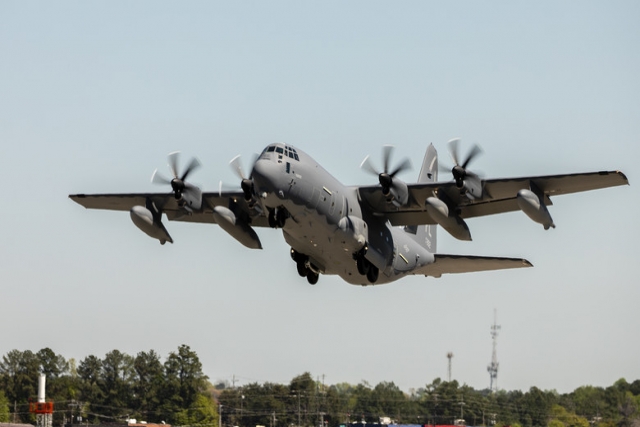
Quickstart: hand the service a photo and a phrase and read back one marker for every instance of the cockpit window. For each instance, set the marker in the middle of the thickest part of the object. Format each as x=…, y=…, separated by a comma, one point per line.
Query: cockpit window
x=285, y=151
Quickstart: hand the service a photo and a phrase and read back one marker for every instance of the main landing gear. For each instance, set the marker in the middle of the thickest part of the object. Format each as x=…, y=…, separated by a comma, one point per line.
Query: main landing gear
x=305, y=268
x=278, y=217
x=365, y=268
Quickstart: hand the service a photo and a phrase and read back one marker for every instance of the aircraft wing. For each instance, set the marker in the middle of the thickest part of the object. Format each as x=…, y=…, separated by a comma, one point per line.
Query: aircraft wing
x=166, y=202
x=499, y=195
x=451, y=264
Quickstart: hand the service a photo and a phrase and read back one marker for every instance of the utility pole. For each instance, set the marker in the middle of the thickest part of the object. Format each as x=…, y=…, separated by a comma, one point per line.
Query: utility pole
x=493, y=366
x=449, y=356
x=461, y=403
x=435, y=408
x=241, y=409
x=220, y=415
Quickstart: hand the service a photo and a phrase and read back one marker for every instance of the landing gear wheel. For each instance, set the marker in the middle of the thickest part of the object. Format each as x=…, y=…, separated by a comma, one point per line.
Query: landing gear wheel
x=281, y=217
x=273, y=223
x=302, y=269
x=363, y=265
x=372, y=274
x=312, y=277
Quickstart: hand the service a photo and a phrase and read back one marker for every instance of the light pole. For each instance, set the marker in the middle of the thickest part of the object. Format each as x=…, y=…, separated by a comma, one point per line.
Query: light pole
x=298, y=393
x=298, y=408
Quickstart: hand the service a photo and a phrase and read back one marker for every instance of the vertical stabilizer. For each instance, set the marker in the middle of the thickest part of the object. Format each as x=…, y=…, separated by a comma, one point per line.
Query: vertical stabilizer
x=426, y=234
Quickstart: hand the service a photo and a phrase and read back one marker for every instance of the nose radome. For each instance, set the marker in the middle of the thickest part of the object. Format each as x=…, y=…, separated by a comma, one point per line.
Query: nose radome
x=264, y=172
x=260, y=169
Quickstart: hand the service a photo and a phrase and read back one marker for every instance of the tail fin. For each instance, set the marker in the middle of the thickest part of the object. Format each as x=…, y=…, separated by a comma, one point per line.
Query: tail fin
x=425, y=235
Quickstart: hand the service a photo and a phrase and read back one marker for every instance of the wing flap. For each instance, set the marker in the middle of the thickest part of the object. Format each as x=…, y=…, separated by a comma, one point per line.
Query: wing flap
x=453, y=264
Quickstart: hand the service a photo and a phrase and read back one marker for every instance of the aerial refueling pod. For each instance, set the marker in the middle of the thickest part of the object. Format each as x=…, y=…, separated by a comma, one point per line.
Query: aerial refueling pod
x=236, y=227
x=150, y=223
x=439, y=211
x=532, y=205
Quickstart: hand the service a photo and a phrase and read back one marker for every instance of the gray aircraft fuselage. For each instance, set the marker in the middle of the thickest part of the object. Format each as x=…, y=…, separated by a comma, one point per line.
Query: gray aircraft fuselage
x=327, y=222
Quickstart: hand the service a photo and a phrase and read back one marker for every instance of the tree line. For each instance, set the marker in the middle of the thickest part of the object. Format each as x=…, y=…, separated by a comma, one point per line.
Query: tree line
x=305, y=402
x=108, y=390
x=119, y=386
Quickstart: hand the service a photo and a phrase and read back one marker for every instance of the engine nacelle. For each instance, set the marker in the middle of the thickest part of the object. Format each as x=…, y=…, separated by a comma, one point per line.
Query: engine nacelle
x=439, y=211
x=144, y=219
x=236, y=227
x=191, y=199
x=535, y=209
x=399, y=192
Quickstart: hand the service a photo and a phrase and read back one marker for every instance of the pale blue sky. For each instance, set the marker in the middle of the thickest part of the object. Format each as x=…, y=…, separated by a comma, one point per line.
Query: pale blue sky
x=93, y=95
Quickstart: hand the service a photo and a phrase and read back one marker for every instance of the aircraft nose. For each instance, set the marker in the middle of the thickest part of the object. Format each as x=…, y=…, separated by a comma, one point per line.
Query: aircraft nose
x=263, y=173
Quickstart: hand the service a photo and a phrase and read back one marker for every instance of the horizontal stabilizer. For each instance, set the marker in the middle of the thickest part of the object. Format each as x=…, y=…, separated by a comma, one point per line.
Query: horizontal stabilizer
x=450, y=264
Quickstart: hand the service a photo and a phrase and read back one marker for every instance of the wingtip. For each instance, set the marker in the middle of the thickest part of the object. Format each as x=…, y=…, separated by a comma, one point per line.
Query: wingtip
x=623, y=176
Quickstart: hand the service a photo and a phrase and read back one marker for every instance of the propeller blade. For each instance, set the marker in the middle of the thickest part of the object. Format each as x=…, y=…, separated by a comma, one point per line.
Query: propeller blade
x=195, y=163
x=387, y=150
x=475, y=151
x=453, y=149
x=158, y=178
x=173, y=163
x=236, y=166
x=405, y=165
x=368, y=166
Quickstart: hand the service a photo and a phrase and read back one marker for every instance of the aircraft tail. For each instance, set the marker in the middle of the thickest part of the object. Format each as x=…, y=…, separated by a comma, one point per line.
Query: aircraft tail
x=425, y=235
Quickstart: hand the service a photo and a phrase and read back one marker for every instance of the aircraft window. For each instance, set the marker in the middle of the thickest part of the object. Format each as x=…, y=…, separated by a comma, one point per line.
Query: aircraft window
x=296, y=156
x=271, y=149
x=291, y=154
x=279, y=150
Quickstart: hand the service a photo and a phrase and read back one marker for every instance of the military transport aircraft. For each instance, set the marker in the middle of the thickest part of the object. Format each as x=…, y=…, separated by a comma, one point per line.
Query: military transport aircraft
x=365, y=234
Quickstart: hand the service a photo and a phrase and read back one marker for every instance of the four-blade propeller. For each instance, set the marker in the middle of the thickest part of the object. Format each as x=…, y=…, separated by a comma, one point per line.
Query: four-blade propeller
x=460, y=171
x=465, y=178
x=386, y=177
x=178, y=183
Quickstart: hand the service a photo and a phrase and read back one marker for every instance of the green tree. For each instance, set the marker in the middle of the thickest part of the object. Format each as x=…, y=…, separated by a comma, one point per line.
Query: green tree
x=183, y=383
x=387, y=400
x=201, y=413
x=303, y=399
x=560, y=417
x=537, y=405
x=19, y=372
x=117, y=383
x=89, y=375
x=4, y=408
x=147, y=383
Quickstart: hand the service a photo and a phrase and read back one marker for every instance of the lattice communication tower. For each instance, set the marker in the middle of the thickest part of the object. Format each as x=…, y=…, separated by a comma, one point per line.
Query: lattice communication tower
x=493, y=366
